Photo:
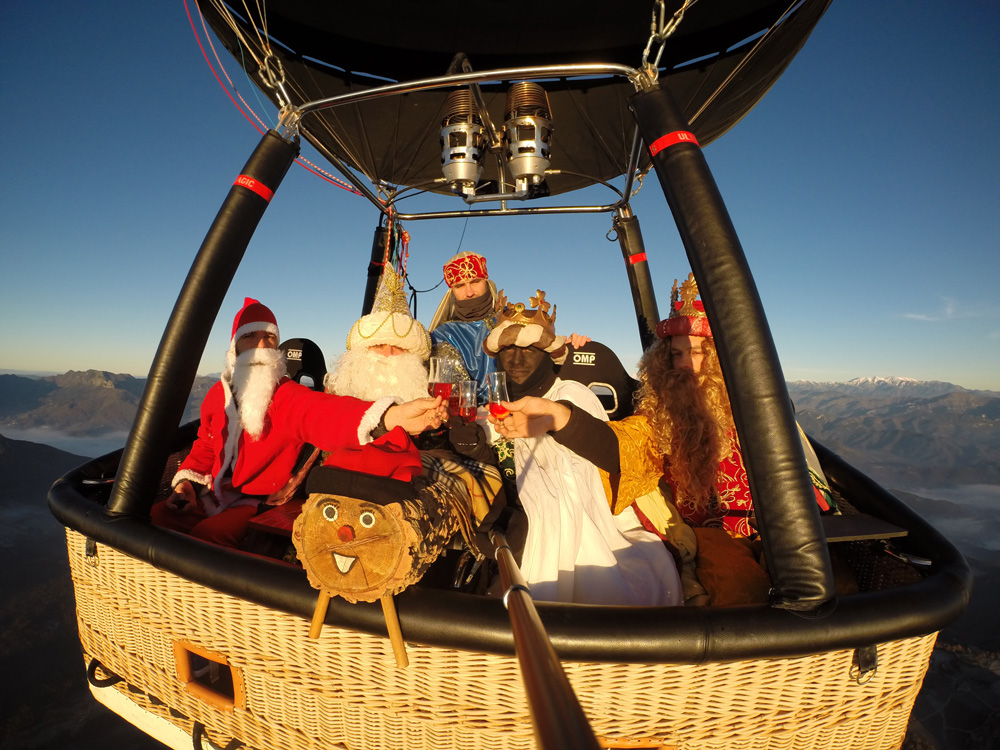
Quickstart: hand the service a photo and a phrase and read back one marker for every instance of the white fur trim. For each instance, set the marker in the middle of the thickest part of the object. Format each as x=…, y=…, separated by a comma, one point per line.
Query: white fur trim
x=187, y=475
x=233, y=432
x=252, y=327
x=527, y=335
x=371, y=418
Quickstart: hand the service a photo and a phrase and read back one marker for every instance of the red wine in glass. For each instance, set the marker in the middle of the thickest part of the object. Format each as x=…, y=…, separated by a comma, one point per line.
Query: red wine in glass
x=498, y=411
x=496, y=385
x=441, y=389
x=467, y=399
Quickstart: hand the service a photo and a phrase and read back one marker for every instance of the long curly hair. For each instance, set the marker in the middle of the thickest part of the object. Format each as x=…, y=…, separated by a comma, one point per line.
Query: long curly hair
x=690, y=416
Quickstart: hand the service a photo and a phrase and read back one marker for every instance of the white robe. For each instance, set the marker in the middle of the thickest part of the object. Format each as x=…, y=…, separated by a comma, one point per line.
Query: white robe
x=576, y=550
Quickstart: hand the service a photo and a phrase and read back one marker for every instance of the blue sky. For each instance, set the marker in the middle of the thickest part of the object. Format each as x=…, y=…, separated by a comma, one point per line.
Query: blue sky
x=864, y=188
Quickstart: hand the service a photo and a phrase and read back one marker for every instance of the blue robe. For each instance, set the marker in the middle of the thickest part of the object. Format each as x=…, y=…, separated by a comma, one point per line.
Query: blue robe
x=465, y=338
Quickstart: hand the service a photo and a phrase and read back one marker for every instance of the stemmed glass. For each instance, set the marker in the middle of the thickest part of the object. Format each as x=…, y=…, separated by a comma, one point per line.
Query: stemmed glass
x=441, y=377
x=496, y=384
x=467, y=399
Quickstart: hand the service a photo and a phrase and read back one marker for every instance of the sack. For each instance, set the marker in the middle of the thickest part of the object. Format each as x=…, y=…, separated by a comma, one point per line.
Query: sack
x=727, y=569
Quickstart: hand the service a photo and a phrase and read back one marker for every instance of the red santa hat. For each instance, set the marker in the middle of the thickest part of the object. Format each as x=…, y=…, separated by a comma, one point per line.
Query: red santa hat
x=687, y=314
x=251, y=318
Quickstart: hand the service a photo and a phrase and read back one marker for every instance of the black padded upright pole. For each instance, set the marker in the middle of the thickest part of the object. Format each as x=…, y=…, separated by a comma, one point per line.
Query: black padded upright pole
x=783, y=497
x=176, y=362
x=374, y=268
x=639, y=280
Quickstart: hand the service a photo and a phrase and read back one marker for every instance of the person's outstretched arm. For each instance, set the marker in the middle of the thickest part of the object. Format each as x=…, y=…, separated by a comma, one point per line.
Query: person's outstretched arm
x=584, y=434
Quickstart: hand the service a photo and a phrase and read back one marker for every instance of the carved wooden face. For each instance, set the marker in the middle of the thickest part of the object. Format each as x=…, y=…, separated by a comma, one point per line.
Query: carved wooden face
x=353, y=548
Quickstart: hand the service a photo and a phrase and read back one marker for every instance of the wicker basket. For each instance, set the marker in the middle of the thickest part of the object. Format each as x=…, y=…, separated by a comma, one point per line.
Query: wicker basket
x=345, y=691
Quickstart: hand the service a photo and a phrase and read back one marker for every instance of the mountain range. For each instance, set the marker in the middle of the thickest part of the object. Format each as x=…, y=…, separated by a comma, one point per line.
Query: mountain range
x=81, y=403
x=905, y=433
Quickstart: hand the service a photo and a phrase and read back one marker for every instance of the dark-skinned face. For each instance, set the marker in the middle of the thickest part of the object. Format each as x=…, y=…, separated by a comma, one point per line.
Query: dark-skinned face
x=520, y=361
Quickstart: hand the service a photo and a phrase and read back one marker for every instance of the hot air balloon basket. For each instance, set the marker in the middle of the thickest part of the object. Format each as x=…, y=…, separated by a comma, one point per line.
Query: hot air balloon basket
x=213, y=663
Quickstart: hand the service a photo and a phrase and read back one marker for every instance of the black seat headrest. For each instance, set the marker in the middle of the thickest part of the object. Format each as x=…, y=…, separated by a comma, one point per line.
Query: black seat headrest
x=304, y=359
x=599, y=368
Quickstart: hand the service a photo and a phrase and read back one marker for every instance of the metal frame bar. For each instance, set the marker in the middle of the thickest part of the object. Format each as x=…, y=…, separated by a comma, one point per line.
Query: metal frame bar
x=291, y=116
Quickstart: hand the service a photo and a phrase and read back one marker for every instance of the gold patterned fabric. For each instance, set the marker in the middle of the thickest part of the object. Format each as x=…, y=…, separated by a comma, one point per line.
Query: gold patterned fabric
x=642, y=466
x=390, y=321
x=641, y=463
x=466, y=266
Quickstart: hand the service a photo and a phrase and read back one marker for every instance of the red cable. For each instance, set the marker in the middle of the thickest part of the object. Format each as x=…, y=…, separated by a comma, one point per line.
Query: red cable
x=298, y=160
x=194, y=30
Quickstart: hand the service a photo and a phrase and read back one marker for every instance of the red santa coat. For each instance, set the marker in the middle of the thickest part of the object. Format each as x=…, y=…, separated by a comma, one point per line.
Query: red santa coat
x=297, y=415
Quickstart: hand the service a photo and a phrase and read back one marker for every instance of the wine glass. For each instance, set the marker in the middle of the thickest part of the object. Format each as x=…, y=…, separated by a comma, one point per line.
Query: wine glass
x=496, y=384
x=467, y=399
x=440, y=377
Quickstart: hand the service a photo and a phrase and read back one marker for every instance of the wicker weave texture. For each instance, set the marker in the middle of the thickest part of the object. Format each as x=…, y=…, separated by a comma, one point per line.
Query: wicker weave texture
x=344, y=689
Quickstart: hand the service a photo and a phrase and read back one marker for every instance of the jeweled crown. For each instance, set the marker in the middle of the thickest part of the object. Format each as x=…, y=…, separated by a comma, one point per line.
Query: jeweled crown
x=519, y=314
x=687, y=295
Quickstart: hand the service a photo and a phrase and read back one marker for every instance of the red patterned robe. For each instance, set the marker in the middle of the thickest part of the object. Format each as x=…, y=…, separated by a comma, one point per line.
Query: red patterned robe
x=642, y=466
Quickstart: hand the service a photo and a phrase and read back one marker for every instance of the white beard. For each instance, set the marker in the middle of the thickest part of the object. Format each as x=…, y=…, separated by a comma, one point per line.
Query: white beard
x=369, y=376
x=256, y=373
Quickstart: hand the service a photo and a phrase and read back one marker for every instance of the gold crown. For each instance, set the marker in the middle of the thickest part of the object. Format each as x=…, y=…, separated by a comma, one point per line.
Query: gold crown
x=519, y=314
x=688, y=294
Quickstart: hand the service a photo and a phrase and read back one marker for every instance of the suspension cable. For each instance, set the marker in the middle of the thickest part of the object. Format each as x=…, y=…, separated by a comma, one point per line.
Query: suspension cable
x=248, y=48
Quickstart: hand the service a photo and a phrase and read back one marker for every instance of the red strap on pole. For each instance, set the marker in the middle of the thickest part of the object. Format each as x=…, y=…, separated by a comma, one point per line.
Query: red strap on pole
x=670, y=139
x=256, y=185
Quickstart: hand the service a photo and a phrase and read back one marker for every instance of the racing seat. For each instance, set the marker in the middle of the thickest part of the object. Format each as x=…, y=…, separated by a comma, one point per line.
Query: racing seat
x=304, y=360
x=599, y=368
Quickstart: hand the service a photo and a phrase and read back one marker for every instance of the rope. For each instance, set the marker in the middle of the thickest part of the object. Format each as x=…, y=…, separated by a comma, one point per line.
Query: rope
x=215, y=52
x=194, y=30
x=92, y=678
x=758, y=45
x=306, y=164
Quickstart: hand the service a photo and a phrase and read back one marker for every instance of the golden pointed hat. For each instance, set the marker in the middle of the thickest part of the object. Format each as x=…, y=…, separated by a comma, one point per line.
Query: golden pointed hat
x=687, y=314
x=517, y=325
x=390, y=321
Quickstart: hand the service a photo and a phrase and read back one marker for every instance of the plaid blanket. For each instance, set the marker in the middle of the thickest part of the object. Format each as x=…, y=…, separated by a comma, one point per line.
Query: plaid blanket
x=471, y=486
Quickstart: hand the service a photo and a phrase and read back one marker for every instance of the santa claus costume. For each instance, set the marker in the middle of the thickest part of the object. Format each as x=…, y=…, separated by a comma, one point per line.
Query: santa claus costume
x=235, y=465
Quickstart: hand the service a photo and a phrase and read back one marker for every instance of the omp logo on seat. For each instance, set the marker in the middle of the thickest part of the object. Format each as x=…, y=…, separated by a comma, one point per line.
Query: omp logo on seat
x=294, y=354
x=584, y=358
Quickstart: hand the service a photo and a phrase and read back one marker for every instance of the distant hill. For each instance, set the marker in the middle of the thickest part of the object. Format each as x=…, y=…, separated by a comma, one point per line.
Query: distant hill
x=80, y=404
x=28, y=469
x=19, y=394
x=905, y=432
